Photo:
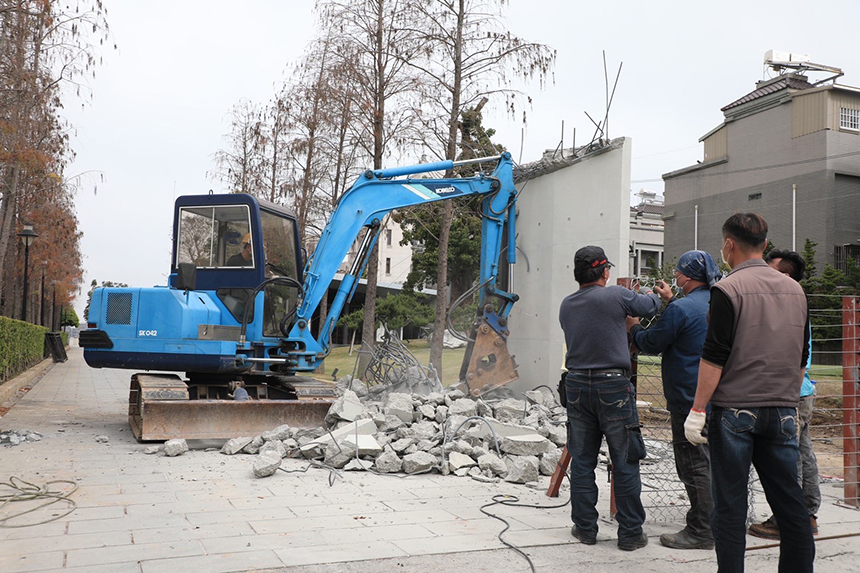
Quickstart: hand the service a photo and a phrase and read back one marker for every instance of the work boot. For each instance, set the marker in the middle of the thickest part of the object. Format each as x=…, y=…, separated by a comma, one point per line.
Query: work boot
x=814, y=523
x=686, y=540
x=585, y=539
x=767, y=529
x=633, y=544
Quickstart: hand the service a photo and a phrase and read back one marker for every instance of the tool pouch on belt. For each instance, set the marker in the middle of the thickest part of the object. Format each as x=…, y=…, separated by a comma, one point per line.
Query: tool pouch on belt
x=562, y=389
x=635, y=444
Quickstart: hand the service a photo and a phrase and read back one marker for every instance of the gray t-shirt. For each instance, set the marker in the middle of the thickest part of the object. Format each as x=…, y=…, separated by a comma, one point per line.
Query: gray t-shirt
x=594, y=323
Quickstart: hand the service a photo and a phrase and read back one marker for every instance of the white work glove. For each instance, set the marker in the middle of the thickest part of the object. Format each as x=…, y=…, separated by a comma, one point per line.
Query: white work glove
x=693, y=427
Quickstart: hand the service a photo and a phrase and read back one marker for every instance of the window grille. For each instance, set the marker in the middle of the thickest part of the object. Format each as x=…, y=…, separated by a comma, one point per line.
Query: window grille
x=849, y=118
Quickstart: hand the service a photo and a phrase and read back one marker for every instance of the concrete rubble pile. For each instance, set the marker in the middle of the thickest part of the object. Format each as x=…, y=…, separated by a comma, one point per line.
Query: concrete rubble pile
x=16, y=437
x=414, y=433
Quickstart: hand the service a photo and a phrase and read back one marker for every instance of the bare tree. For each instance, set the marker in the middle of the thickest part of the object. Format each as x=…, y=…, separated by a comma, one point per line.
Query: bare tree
x=382, y=37
x=44, y=46
x=469, y=55
x=241, y=165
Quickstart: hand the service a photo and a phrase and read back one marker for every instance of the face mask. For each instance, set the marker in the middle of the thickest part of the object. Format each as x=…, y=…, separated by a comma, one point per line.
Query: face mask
x=723, y=257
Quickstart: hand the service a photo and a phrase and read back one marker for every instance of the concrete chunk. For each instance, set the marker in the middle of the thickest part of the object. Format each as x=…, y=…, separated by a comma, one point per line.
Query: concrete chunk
x=557, y=434
x=529, y=445
x=338, y=454
x=175, y=447
x=266, y=464
x=254, y=445
x=235, y=445
x=274, y=446
x=522, y=469
x=510, y=410
x=388, y=462
x=348, y=407
x=463, y=407
x=428, y=411
x=357, y=465
x=280, y=433
x=399, y=405
x=441, y=414
x=456, y=461
x=151, y=450
x=362, y=427
x=418, y=462
x=549, y=461
x=493, y=463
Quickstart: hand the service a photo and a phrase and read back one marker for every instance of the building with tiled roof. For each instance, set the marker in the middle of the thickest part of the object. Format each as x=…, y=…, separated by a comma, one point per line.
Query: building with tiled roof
x=788, y=150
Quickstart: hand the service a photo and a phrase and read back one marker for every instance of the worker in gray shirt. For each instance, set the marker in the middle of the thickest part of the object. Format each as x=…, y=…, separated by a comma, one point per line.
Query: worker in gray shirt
x=601, y=401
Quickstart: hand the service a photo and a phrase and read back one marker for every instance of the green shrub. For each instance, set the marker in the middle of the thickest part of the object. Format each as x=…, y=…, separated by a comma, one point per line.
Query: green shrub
x=21, y=345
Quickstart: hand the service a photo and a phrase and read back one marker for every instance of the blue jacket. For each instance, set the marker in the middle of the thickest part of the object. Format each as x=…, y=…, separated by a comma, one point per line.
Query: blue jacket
x=680, y=335
x=807, y=387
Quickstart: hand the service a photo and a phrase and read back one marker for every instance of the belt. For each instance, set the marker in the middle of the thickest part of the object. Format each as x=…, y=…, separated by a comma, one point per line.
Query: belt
x=599, y=371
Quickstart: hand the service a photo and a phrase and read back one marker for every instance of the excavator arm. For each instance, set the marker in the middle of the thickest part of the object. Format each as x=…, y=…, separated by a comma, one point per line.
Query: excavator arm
x=365, y=205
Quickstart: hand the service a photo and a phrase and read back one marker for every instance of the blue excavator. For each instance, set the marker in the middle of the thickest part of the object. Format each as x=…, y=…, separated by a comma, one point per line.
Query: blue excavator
x=240, y=302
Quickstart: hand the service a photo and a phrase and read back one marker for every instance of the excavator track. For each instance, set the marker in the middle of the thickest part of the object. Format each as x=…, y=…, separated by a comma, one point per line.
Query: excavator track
x=159, y=408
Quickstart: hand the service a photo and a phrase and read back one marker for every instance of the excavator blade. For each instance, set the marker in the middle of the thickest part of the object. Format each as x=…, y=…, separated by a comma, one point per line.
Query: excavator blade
x=159, y=409
x=487, y=363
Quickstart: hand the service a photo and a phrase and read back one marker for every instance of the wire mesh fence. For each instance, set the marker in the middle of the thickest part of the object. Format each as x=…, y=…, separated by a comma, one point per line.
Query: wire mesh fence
x=834, y=428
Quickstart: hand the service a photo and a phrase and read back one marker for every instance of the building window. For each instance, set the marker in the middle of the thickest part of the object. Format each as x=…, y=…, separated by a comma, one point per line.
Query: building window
x=754, y=196
x=388, y=237
x=849, y=118
x=388, y=265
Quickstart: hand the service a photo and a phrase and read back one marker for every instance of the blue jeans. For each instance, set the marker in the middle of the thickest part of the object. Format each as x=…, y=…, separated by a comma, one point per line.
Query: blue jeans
x=767, y=438
x=598, y=406
x=693, y=465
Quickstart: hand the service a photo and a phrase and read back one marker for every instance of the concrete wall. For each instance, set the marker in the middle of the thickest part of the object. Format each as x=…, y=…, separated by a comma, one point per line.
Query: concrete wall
x=586, y=203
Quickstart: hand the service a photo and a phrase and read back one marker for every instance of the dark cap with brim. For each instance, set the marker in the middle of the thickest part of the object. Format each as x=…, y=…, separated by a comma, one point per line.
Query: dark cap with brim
x=590, y=257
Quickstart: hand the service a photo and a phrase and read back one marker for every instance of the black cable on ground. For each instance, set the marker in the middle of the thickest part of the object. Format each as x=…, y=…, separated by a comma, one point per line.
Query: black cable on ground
x=513, y=501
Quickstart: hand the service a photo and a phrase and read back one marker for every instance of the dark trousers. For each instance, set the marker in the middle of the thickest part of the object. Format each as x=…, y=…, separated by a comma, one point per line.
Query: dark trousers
x=598, y=406
x=694, y=470
x=767, y=438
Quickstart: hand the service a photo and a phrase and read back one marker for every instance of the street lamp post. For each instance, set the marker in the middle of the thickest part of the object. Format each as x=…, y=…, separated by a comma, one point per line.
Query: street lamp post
x=28, y=235
x=42, y=298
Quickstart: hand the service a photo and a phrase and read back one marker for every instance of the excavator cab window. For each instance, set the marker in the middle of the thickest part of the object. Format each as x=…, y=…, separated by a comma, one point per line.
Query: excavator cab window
x=213, y=237
x=279, y=253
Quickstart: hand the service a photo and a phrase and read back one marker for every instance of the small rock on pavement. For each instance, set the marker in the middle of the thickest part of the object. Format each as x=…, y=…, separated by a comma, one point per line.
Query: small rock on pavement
x=177, y=447
x=235, y=445
x=266, y=464
x=522, y=469
x=102, y=439
x=151, y=449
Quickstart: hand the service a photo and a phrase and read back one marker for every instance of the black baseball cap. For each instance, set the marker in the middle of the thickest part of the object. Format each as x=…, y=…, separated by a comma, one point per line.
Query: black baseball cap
x=590, y=257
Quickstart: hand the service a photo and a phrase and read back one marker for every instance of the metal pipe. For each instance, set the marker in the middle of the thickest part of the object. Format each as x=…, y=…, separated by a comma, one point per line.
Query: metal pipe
x=794, y=217
x=696, y=229
x=266, y=360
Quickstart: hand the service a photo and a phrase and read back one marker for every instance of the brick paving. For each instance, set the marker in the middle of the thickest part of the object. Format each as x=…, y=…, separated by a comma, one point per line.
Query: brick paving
x=204, y=511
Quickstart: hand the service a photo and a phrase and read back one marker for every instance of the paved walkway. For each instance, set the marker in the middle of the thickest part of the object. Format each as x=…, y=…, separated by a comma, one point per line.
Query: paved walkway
x=204, y=511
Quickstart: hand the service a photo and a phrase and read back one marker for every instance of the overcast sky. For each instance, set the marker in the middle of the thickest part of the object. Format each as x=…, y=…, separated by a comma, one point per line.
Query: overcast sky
x=159, y=103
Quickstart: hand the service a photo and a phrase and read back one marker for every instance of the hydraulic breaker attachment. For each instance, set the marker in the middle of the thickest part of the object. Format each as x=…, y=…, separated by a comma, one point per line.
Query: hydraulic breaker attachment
x=487, y=364
x=159, y=409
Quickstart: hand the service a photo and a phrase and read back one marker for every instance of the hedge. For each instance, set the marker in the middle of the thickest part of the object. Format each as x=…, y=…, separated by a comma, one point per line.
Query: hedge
x=21, y=346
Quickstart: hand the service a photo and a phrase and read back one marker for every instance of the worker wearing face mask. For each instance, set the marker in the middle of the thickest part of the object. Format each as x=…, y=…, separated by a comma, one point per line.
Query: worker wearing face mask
x=752, y=366
x=679, y=335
